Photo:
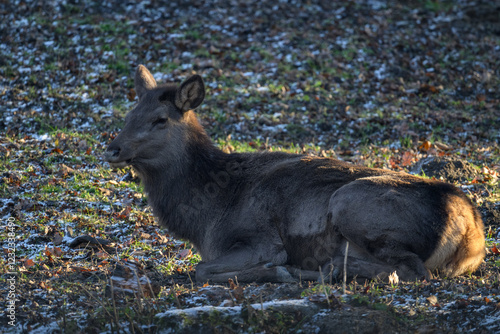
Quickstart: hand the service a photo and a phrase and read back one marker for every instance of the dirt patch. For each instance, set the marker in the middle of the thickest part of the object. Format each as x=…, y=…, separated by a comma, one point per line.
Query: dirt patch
x=491, y=215
x=289, y=315
x=454, y=169
x=356, y=320
x=449, y=169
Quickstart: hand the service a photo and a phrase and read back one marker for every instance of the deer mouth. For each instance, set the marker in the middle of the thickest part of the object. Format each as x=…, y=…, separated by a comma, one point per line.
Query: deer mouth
x=120, y=164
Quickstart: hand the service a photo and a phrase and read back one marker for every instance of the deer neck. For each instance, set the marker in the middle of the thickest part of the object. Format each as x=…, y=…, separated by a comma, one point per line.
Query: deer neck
x=188, y=194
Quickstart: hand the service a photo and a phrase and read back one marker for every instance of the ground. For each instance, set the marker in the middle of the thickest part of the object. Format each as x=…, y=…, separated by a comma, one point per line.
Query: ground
x=400, y=85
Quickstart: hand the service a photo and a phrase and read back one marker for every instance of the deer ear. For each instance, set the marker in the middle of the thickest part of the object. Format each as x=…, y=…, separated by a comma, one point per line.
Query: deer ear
x=144, y=81
x=190, y=94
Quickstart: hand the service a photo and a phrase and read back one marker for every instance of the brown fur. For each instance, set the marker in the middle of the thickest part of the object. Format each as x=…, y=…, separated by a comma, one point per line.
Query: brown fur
x=278, y=217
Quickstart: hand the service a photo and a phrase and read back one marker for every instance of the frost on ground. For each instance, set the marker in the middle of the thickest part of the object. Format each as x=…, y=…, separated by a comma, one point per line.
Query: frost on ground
x=390, y=84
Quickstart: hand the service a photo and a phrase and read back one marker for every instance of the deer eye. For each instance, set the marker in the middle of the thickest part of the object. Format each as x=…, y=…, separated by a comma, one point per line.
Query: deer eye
x=160, y=121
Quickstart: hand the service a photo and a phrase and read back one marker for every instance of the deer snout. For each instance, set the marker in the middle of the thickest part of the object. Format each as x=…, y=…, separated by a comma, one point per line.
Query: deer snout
x=114, y=157
x=112, y=154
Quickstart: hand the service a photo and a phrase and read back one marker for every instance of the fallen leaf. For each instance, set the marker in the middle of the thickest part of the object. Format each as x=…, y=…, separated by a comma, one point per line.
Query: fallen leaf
x=442, y=146
x=29, y=263
x=101, y=255
x=58, y=238
x=184, y=253
x=407, y=159
x=65, y=169
x=425, y=88
x=131, y=95
x=238, y=293
x=330, y=300
x=432, y=300
x=43, y=285
x=232, y=285
x=393, y=162
x=461, y=304
x=125, y=212
x=48, y=253
x=57, y=251
x=81, y=269
x=105, y=192
x=56, y=150
x=425, y=146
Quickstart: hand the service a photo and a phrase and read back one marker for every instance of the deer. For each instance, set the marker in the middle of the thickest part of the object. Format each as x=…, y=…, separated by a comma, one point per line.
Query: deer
x=282, y=217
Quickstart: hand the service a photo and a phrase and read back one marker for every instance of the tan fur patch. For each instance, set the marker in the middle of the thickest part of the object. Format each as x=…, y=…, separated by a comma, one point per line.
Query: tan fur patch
x=461, y=248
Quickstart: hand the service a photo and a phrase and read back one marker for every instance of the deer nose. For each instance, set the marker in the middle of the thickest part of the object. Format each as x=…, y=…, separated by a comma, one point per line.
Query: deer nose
x=112, y=153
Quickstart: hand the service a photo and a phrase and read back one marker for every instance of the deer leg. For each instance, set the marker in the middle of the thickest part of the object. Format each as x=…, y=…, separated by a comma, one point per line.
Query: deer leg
x=304, y=275
x=245, y=267
x=389, y=232
x=211, y=272
x=372, y=268
x=360, y=268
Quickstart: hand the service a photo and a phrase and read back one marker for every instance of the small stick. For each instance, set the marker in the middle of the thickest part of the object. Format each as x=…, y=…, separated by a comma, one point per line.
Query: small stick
x=324, y=287
x=114, y=304
x=192, y=284
x=345, y=267
x=140, y=292
x=175, y=296
x=331, y=272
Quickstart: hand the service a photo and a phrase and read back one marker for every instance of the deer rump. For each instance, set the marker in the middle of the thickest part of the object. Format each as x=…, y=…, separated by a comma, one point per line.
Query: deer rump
x=281, y=217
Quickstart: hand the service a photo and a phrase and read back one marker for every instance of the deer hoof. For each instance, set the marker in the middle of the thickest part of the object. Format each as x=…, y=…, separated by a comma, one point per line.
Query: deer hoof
x=283, y=275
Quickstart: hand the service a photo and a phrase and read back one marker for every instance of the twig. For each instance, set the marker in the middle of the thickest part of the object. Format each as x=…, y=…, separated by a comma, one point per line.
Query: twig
x=100, y=302
x=113, y=301
x=192, y=284
x=232, y=297
x=151, y=289
x=331, y=271
x=345, y=267
x=139, y=301
x=324, y=287
x=131, y=322
x=176, y=298
x=64, y=315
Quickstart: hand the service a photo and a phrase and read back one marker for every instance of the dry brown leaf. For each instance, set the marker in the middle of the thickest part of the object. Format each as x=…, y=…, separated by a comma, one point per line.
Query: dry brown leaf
x=29, y=263
x=131, y=95
x=184, y=253
x=125, y=212
x=407, y=159
x=105, y=192
x=425, y=146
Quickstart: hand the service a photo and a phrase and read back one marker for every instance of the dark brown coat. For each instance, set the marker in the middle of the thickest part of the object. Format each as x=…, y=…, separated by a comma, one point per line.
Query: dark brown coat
x=278, y=217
